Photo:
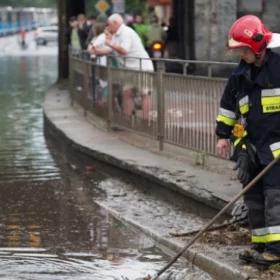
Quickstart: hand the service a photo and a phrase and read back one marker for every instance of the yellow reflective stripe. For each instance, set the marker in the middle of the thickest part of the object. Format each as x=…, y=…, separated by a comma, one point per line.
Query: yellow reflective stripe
x=275, y=148
x=226, y=120
x=266, y=238
x=276, y=153
x=271, y=100
x=244, y=109
x=237, y=141
x=270, y=103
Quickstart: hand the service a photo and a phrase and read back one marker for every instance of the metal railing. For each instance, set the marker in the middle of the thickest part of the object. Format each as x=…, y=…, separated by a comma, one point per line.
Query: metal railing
x=177, y=108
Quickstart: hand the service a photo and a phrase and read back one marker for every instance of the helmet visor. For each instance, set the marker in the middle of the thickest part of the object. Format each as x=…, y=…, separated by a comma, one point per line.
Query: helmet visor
x=232, y=44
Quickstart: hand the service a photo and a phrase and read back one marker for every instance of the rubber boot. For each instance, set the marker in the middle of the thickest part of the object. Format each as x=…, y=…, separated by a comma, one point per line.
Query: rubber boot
x=251, y=254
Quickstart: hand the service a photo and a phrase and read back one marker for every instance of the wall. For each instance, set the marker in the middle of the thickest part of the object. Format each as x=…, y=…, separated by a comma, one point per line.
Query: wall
x=271, y=15
x=213, y=18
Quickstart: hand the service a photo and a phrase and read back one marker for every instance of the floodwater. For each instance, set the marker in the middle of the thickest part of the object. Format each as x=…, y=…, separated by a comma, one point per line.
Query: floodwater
x=50, y=227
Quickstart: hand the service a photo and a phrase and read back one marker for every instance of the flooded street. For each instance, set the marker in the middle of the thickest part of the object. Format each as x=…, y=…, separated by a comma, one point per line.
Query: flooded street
x=50, y=226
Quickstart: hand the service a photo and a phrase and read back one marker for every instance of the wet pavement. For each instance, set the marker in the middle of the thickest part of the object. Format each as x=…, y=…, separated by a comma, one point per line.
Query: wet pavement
x=47, y=233
x=9, y=46
x=50, y=225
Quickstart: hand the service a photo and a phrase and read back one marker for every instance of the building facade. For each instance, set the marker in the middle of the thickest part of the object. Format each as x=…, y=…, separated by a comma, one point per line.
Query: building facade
x=210, y=20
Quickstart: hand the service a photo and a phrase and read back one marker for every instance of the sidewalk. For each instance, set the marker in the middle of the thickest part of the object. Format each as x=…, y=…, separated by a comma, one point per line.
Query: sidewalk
x=174, y=168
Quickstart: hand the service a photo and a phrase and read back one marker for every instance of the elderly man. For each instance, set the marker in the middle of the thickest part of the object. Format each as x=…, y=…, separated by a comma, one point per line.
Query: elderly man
x=127, y=44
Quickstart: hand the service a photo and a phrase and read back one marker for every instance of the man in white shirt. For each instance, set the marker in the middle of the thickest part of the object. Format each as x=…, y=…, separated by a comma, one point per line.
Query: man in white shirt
x=127, y=44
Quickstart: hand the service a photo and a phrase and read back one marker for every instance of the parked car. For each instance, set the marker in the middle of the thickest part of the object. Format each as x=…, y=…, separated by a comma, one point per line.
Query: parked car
x=46, y=34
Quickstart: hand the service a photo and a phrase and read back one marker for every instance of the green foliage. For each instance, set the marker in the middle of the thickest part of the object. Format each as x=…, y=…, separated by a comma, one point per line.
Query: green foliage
x=29, y=3
x=135, y=6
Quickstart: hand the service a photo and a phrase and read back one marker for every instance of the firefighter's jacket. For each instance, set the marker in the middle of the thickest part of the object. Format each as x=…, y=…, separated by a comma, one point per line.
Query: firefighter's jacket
x=253, y=94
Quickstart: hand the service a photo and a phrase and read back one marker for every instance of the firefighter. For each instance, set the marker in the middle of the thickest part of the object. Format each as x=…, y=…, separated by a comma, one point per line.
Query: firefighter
x=249, y=117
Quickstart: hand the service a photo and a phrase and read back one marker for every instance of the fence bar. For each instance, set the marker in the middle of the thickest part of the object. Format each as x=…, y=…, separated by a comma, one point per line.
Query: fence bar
x=161, y=111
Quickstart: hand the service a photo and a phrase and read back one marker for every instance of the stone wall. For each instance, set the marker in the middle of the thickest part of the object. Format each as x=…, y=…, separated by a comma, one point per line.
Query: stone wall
x=271, y=15
x=213, y=19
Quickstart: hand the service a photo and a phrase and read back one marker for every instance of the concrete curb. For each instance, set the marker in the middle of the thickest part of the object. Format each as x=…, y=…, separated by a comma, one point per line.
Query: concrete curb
x=184, y=184
x=217, y=269
x=185, y=187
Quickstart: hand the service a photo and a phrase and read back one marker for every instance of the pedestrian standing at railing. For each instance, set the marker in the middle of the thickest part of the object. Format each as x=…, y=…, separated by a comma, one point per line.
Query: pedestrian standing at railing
x=126, y=44
x=141, y=28
x=74, y=36
x=98, y=41
x=172, y=39
x=130, y=53
x=99, y=86
x=83, y=30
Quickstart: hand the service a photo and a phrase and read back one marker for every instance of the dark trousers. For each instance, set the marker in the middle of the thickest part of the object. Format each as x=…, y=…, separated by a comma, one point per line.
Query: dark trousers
x=263, y=202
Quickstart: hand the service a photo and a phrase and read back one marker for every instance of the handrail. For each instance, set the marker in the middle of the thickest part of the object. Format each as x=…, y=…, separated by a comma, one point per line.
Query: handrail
x=178, y=108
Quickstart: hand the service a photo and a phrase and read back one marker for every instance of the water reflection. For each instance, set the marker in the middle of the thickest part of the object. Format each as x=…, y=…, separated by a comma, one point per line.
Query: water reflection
x=50, y=227
x=23, y=153
x=45, y=232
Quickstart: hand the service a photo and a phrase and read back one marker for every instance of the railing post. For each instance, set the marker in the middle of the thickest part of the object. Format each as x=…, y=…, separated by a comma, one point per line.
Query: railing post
x=209, y=70
x=160, y=103
x=71, y=77
x=86, y=87
x=110, y=93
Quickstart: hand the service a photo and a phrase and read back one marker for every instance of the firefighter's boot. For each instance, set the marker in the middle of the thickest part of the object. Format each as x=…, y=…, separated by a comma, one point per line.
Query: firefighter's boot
x=252, y=253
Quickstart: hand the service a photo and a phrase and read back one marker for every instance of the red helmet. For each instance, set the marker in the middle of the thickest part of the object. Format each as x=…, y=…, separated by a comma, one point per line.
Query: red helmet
x=249, y=31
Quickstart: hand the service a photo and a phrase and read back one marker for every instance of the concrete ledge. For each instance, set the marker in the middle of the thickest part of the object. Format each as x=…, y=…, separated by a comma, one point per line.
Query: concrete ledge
x=216, y=268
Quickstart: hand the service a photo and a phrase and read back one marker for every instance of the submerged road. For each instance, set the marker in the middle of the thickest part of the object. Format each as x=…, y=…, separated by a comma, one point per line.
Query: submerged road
x=50, y=226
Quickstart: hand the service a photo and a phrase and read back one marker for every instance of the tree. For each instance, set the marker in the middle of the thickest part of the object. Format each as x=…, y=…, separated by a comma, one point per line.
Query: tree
x=134, y=6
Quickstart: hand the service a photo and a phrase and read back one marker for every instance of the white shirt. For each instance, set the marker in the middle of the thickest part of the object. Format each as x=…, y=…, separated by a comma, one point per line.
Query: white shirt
x=99, y=41
x=128, y=39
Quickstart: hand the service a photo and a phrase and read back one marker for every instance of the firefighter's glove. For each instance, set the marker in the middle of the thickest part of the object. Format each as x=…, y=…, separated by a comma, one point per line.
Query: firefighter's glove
x=243, y=167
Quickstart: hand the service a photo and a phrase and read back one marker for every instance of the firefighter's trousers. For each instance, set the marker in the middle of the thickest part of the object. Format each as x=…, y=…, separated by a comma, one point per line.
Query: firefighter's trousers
x=263, y=202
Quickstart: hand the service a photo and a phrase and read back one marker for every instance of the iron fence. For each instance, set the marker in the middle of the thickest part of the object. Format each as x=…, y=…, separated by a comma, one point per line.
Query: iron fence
x=177, y=108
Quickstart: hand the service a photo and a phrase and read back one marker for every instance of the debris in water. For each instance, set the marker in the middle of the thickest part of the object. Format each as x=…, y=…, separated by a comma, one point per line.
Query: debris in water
x=148, y=277
x=89, y=169
x=152, y=257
